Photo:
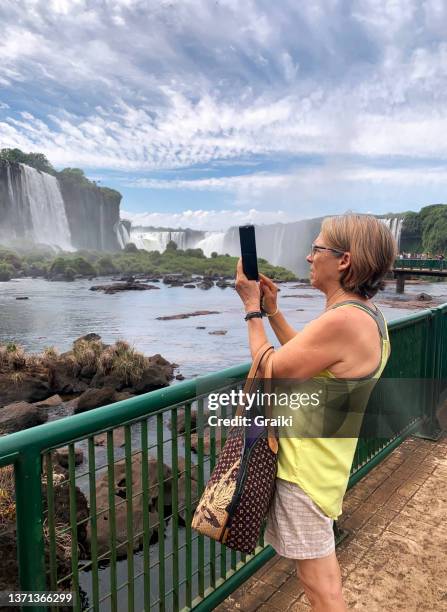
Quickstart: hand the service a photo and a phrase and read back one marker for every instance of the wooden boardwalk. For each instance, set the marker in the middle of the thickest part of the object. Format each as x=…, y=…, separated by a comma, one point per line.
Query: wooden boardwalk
x=395, y=557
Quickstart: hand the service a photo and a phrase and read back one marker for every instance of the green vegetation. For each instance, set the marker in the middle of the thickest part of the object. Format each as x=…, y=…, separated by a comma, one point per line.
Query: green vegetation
x=6, y=271
x=425, y=231
x=35, y=160
x=130, y=261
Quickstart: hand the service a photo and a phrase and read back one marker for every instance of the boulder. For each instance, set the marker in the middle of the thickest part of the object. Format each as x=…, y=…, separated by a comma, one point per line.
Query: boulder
x=50, y=402
x=189, y=286
x=120, y=497
x=423, y=297
x=181, y=420
x=118, y=438
x=116, y=287
x=186, y=315
x=206, y=441
x=223, y=284
x=63, y=379
x=61, y=494
x=179, y=377
x=19, y=416
x=61, y=456
x=32, y=387
x=94, y=398
x=153, y=377
x=206, y=284
x=218, y=332
x=91, y=337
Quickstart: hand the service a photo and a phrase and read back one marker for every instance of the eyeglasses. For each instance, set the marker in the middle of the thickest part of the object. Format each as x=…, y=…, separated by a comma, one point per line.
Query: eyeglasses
x=316, y=247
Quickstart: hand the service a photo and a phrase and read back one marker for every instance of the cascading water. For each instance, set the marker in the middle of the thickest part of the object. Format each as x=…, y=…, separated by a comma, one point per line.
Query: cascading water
x=46, y=208
x=212, y=242
x=122, y=234
x=394, y=224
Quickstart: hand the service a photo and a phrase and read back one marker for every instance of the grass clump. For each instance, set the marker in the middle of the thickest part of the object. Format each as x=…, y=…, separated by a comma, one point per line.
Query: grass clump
x=123, y=361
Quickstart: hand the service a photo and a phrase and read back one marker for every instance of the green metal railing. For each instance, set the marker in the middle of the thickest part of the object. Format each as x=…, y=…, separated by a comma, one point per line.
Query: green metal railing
x=115, y=530
x=420, y=264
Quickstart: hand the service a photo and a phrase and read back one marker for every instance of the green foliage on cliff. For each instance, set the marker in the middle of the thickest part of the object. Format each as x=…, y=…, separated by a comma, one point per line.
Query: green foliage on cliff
x=35, y=160
x=75, y=177
x=67, y=176
x=434, y=228
x=425, y=231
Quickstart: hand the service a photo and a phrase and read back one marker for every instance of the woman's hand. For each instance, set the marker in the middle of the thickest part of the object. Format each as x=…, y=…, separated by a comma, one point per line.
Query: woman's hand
x=248, y=290
x=269, y=293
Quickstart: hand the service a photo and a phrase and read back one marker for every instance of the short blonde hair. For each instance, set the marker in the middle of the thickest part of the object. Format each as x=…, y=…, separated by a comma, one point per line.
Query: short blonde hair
x=372, y=248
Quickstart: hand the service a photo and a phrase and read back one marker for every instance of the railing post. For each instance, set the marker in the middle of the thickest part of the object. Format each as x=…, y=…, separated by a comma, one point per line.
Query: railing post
x=431, y=429
x=30, y=540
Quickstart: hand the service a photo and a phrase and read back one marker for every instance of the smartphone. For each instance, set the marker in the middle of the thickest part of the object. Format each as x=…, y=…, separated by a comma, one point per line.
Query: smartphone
x=248, y=251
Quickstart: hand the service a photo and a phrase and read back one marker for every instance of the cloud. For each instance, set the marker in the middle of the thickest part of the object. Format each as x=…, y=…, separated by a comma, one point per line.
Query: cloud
x=210, y=220
x=142, y=86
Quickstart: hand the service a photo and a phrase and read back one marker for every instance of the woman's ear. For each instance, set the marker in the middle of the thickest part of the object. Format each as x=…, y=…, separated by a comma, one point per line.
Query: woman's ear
x=345, y=261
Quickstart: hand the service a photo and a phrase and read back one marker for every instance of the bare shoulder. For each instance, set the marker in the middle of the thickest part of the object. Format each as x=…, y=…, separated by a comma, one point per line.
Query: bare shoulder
x=331, y=321
x=346, y=321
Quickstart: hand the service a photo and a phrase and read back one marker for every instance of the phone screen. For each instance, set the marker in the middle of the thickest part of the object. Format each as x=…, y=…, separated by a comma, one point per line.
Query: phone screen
x=248, y=252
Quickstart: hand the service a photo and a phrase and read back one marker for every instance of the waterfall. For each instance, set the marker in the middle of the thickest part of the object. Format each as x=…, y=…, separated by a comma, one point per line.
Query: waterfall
x=46, y=207
x=152, y=240
x=394, y=224
x=157, y=240
x=122, y=233
x=212, y=242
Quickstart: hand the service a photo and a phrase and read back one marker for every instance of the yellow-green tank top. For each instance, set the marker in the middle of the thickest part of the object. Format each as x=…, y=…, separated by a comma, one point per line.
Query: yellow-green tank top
x=321, y=466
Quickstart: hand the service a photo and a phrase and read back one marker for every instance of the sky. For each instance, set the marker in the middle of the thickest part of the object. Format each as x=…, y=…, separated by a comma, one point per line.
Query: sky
x=212, y=113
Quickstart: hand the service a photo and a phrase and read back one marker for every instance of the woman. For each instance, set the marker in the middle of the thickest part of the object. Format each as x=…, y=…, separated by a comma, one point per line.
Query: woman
x=348, y=261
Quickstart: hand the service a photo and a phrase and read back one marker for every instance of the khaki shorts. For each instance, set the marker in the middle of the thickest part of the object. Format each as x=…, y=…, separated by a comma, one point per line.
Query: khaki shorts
x=296, y=527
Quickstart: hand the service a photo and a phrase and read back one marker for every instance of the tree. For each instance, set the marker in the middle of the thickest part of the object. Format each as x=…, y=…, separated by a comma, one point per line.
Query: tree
x=130, y=248
x=84, y=267
x=106, y=266
x=171, y=246
x=214, y=255
x=35, y=160
x=6, y=271
x=434, y=228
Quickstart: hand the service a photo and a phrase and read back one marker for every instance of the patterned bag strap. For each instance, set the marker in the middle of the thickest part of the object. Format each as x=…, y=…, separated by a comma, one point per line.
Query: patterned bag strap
x=254, y=374
x=263, y=356
x=268, y=370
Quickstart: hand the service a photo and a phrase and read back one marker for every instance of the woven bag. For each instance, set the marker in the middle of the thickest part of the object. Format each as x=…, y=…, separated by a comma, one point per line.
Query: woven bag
x=238, y=494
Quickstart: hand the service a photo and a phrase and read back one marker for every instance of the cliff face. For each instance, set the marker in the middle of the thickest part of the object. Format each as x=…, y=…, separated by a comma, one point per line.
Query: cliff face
x=93, y=215
x=62, y=211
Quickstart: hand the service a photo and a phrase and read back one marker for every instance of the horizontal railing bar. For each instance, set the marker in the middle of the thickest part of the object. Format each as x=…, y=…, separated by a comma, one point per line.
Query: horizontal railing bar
x=10, y=459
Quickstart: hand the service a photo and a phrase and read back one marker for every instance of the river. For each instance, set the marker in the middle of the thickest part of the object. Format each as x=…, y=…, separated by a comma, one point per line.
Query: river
x=57, y=313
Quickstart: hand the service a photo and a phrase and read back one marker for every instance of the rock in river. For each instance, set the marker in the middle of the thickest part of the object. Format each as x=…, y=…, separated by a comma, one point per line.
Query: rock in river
x=186, y=315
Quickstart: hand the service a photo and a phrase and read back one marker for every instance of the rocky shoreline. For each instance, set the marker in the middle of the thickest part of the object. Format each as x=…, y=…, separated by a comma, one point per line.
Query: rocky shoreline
x=91, y=374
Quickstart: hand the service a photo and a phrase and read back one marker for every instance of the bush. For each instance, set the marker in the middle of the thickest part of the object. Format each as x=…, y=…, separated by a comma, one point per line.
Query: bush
x=195, y=253
x=171, y=246
x=6, y=271
x=105, y=265
x=84, y=267
x=130, y=248
x=69, y=274
x=214, y=255
x=58, y=266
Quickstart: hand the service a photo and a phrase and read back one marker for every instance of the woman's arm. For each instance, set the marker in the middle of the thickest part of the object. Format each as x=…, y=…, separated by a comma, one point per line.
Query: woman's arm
x=283, y=331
